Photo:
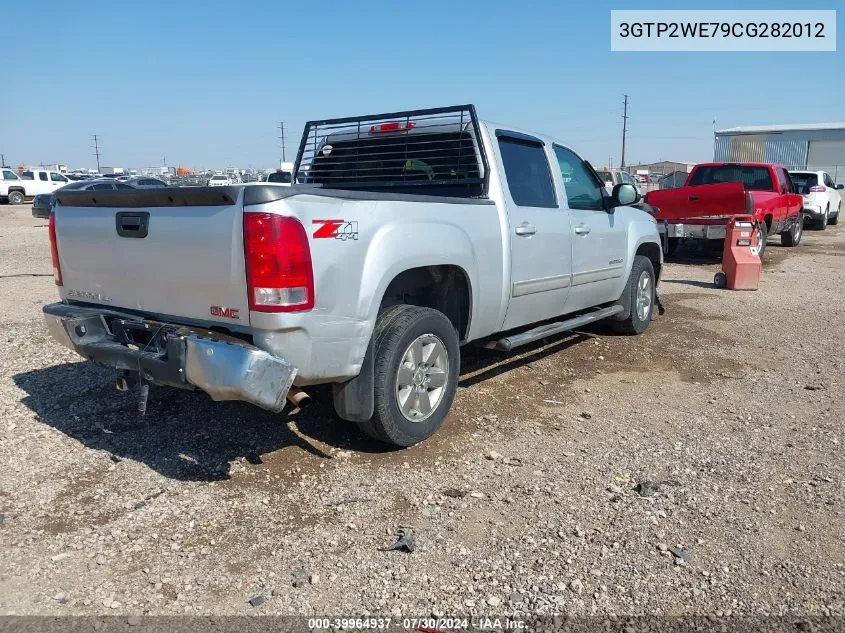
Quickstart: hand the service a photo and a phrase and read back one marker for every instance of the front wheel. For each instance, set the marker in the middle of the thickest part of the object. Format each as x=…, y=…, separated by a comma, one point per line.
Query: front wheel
x=793, y=236
x=16, y=197
x=640, y=288
x=417, y=364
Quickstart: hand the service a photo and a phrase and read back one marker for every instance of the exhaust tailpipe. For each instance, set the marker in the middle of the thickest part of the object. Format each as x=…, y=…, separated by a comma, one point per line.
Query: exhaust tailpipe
x=298, y=398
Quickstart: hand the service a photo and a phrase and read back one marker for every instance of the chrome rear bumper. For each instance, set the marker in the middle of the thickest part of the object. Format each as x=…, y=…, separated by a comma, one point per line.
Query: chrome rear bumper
x=224, y=367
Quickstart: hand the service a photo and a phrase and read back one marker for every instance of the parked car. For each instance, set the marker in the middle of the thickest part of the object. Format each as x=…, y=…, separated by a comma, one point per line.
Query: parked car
x=282, y=176
x=640, y=178
x=613, y=177
x=145, y=182
x=219, y=180
x=321, y=283
x=43, y=202
x=29, y=184
x=713, y=192
x=822, y=200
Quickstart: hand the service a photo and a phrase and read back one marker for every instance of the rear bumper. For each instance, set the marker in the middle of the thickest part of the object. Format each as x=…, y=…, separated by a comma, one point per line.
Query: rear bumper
x=695, y=231
x=169, y=354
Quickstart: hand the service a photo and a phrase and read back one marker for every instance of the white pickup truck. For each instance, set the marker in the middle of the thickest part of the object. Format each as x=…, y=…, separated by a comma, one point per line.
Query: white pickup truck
x=414, y=233
x=16, y=189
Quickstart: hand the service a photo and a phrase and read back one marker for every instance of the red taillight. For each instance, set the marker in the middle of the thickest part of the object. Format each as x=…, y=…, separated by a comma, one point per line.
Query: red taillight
x=54, y=251
x=392, y=127
x=278, y=263
x=817, y=188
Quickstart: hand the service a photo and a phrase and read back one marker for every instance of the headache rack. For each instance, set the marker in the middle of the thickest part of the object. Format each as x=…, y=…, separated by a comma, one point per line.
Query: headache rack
x=437, y=151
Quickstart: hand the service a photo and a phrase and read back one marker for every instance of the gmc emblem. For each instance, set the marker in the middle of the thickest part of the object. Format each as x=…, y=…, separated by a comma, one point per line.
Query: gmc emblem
x=226, y=313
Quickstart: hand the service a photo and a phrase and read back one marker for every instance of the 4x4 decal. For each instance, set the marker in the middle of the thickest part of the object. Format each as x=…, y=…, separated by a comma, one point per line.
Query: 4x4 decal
x=336, y=229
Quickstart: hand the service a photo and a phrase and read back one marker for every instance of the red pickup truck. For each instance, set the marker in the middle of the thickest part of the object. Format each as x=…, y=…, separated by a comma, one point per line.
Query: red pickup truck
x=713, y=192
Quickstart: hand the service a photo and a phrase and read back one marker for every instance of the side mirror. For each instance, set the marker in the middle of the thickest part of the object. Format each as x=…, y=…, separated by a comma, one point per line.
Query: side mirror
x=840, y=187
x=624, y=195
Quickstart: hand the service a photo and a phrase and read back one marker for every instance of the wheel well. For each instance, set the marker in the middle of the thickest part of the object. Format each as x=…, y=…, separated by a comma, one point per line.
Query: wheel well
x=768, y=220
x=444, y=288
x=652, y=251
x=17, y=188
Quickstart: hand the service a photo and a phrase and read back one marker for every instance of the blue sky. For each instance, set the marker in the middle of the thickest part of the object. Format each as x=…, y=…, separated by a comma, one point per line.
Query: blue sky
x=205, y=84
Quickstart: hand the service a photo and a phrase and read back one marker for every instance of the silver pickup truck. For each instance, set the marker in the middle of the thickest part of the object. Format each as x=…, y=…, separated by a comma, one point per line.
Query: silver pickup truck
x=405, y=236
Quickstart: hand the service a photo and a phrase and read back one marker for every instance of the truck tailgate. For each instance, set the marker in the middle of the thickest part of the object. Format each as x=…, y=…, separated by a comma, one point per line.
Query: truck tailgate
x=721, y=199
x=173, y=252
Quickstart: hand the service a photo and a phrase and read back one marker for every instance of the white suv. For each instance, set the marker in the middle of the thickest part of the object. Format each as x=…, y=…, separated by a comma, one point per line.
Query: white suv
x=822, y=200
x=219, y=180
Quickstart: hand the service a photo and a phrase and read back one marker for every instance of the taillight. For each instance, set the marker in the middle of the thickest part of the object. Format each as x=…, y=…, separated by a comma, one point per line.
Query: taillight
x=54, y=251
x=817, y=188
x=278, y=263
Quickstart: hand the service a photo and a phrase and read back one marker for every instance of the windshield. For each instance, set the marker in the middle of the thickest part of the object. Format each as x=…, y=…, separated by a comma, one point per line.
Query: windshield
x=752, y=178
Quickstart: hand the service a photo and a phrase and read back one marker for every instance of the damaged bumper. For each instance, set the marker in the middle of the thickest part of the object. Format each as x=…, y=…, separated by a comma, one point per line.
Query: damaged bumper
x=226, y=368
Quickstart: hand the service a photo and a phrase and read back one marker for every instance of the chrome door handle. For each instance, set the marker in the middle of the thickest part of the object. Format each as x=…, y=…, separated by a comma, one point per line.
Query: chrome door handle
x=582, y=230
x=525, y=229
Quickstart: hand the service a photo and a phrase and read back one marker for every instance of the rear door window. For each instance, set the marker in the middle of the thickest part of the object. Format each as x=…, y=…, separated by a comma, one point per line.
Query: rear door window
x=57, y=177
x=42, y=175
x=527, y=173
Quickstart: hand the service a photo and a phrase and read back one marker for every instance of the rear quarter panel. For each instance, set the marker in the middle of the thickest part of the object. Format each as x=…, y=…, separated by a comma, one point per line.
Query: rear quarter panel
x=375, y=241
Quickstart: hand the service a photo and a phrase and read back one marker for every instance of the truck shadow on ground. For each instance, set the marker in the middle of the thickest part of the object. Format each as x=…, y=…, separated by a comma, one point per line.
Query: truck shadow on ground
x=186, y=436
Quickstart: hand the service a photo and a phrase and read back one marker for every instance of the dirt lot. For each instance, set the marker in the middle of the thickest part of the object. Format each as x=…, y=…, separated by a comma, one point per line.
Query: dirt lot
x=523, y=503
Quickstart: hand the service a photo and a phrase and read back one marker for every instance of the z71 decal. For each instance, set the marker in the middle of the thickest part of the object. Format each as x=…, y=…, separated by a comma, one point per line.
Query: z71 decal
x=336, y=229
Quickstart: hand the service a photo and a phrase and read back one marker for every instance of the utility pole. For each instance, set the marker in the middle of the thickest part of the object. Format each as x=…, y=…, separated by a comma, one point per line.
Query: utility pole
x=96, y=150
x=624, y=130
x=282, y=140
x=2, y=160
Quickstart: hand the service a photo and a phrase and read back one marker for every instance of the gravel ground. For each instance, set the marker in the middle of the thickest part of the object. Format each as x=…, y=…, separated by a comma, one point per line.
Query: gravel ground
x=696, y=469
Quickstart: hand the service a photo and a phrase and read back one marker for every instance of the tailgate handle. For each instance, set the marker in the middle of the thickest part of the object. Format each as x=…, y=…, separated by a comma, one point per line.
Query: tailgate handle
x=132, y=224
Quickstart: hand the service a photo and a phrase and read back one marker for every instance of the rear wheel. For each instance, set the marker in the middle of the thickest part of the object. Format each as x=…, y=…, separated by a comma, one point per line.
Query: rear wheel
x=833, y=221
x=641, y=291
x=821, y=223
x=793, y=235
x=417, y=362
x=16, y=197
x=762, y=238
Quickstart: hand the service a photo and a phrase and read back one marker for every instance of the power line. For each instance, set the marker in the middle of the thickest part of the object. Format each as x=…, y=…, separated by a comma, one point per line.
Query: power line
x=96, y=150
x=624, y=130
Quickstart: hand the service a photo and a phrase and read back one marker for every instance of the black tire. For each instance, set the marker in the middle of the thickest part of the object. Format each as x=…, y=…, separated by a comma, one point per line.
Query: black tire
x=792, y=237
x=820, y=224
x=634, y=323
x=396, y=329
x=720, y=280
x=835, y=219
x=763, y=239
x=16, y=197
x=672, y=245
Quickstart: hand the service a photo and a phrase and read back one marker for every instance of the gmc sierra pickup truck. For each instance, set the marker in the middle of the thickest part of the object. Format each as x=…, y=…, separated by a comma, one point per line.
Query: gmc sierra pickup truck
x=407, y=235
x=713, y=192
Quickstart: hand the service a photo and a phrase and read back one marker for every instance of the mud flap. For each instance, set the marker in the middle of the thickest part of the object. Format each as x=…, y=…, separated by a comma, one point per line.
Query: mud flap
x=661, y=308
x=354, y=400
